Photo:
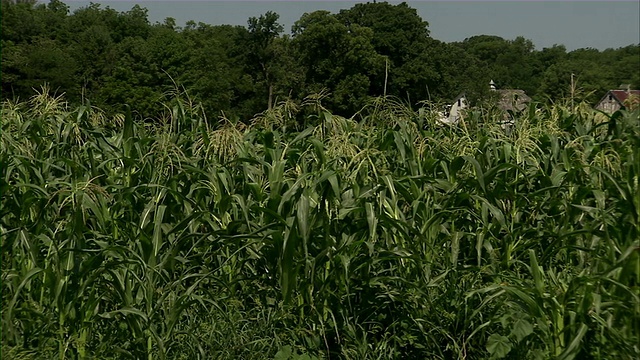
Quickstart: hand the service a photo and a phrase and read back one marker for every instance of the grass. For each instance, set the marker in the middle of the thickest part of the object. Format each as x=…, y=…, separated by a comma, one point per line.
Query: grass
x=379, y=236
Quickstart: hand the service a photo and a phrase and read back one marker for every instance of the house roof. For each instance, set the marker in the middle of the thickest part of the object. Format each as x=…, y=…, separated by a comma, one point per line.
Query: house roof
x=461, y=96
x=621, y=95
x=513, y=99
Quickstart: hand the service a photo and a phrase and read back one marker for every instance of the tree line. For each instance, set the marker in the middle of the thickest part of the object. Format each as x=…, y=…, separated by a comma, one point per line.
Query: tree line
x=112, y=58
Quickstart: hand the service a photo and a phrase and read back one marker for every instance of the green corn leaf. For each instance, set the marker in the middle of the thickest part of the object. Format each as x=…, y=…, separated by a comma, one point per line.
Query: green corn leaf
x=303, y=134
x=157, y=229
x=529, y=303
x=125, y=311
x=497, y=213
x=303, y=217
x=27, y=278
x=572, y=350
x=479, y=172
x=372, y=220
x=536, y=273
x=399, y=141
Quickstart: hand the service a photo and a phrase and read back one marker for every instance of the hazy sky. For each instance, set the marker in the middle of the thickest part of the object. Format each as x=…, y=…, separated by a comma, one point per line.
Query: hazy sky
x=576, y=24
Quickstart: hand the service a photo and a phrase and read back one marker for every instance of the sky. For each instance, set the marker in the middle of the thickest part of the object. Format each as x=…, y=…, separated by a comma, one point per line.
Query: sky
x=575, y=24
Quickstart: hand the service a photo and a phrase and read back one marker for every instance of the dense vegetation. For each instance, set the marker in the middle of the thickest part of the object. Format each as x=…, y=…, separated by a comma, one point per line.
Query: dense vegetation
x=156, y=210
x=379, y=236
x=112, y=58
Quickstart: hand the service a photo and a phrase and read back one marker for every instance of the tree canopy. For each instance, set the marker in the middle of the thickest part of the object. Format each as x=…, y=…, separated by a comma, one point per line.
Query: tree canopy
x=113, y=58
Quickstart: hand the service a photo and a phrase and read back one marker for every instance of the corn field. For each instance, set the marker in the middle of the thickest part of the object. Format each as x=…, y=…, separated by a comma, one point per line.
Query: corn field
x=381, y=236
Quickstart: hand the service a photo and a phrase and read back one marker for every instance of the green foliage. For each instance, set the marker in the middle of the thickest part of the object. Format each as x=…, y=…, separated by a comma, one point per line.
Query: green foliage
x=339, y=57
x=498, y=346
x=286, y=354
x=133, y=225
x=378, y=236
x=402, y=37
x=511, y=63
x=270, y=59
x=113, y=58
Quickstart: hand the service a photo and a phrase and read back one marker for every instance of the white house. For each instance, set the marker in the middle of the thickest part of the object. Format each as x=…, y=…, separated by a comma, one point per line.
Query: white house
x=455, y=110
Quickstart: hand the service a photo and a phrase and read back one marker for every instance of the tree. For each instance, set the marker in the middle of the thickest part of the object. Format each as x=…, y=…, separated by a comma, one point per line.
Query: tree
x=215, y=71
x=338, y=57
x=371, y=49
x=270, y=58
x=510, y=63
x=32, y=52
x=589, y=80
x=623, y=64
x=132, y=80
x=20, y=21
x=26, y=67
x=549, y=56
x=400, y=35
x=453, y=71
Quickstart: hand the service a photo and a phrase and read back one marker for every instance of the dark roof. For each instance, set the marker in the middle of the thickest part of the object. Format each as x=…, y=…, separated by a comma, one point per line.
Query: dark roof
x=513, y=99
x=621, y=95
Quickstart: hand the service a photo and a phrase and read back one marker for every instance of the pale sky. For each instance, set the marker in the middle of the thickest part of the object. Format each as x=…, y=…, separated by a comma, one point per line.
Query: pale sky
x=575, y=24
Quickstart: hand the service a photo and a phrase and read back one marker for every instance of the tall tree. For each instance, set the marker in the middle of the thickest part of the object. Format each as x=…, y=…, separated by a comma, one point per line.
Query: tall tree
x=453, y=71
x=215, y=71
x=338, y=57
x=510, y=63
x=400, y=35
x=589, y=80
x=264, y=31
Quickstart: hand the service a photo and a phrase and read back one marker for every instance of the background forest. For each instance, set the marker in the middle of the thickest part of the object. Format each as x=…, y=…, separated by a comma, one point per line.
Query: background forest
x=111, y=58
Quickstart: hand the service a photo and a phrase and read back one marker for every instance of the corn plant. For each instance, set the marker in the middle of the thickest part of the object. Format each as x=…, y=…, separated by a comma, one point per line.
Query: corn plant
x=305, y=234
